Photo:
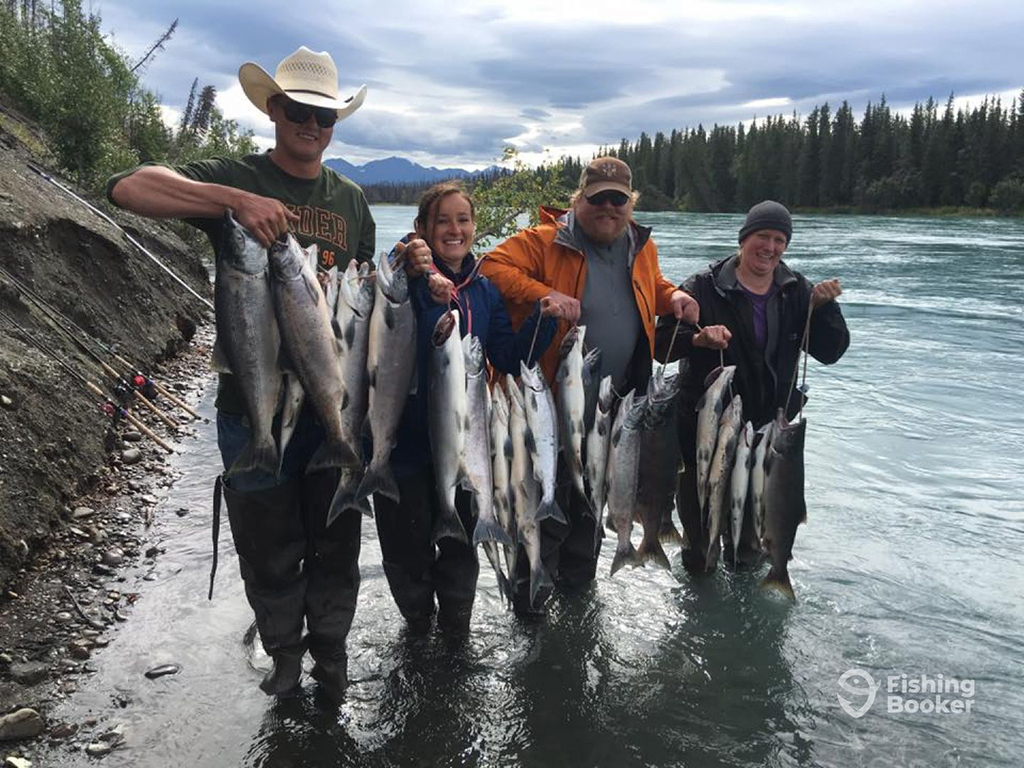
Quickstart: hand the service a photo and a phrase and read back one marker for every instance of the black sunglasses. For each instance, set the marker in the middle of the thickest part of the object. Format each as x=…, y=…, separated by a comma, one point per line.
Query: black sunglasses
x=299, y=113
x=614, y=196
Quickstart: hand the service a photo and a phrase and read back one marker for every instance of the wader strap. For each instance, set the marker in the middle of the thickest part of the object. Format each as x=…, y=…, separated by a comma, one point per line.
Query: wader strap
x=217, y=492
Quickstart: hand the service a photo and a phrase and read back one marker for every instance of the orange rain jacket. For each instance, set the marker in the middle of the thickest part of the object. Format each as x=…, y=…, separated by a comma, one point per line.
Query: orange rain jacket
x=531, y=263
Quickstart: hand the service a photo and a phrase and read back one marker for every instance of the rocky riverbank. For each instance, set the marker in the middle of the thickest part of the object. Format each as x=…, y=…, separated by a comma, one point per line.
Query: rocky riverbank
x=70, y=600
x=77, y=488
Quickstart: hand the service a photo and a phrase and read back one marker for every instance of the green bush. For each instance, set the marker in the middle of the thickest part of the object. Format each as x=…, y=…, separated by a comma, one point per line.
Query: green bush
x=58, y=70
x=1008, y=195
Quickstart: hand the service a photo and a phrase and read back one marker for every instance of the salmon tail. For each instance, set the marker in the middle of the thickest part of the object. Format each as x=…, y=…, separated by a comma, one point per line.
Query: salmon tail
x=652, y=550
x=669, y=534
x=538, y=578
x=777, y=580
x=260, y=455
x=711, y=555
x=449, y=526
x=491, y=549
x=552, y=510
x=347, y=497
x=490, y=530
x=625, y=554
x=330, y=455
x=380, y=481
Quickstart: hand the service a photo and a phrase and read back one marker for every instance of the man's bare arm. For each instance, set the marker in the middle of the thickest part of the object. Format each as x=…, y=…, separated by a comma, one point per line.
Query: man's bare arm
x=161, y=193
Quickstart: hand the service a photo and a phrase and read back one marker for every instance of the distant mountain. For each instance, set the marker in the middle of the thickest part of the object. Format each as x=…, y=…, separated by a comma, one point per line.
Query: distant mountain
x=398, y=170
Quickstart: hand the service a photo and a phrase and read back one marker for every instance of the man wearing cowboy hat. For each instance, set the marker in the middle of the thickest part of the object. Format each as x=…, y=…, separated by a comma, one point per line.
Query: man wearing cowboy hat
x=295, y=570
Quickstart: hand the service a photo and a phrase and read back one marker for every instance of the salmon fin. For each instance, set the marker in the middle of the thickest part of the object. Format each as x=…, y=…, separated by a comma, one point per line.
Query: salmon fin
x=380, y=481
x=652, y=550
x=490, y=530
x=777, y=580
x=449, y=526
x=336, y=454
x=669, y=534
x=551, y=510
x=219, y=361
x=261, y=455
x=625, y=555
x=312, y=286
x=346, y=497
x=538, y=578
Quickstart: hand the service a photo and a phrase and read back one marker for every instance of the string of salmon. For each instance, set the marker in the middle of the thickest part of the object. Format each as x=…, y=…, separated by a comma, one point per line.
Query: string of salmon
x=137, y=380
x=206, y=302
x=108, y=406
x=805, y=344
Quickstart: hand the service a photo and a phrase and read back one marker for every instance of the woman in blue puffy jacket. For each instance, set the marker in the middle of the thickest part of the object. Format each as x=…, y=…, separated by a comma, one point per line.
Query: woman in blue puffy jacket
x=440, y=254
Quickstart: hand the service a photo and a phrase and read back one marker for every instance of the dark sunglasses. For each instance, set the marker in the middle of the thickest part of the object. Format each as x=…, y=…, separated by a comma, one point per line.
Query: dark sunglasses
x=613, y=196
x=299, y=114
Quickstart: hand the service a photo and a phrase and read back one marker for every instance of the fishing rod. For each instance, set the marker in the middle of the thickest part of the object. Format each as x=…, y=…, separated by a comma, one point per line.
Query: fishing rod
x=108, y=406
x=132, y=240
x=61, y=320
x=131, y=388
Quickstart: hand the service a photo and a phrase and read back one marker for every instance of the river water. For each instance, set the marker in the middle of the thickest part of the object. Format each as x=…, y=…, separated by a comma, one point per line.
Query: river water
x=911, y=563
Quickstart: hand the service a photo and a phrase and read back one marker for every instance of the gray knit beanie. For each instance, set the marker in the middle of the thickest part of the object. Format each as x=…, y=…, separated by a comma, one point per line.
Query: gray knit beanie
x=767, y=215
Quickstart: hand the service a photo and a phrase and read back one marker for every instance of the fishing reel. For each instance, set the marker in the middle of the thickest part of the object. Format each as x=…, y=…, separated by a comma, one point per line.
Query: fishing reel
x=145, y=385
x=123, y=393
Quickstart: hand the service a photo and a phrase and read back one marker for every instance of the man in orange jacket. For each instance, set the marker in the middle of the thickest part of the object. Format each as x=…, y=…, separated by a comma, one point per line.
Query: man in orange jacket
x=599, y=268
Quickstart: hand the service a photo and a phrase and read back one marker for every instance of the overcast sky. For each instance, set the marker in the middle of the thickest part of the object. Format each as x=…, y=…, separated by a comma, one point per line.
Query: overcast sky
x=449, y=83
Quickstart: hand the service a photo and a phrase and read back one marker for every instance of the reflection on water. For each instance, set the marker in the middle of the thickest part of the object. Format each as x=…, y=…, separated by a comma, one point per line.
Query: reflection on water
x=911, y=562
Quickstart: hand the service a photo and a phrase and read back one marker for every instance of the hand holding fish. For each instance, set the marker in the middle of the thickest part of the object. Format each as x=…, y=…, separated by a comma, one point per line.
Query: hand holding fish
x=712, y=337
x=824, y=292
x=418, y=259
x=267, y=219
x=559, y=305
x=685, y=307
x=441, y=288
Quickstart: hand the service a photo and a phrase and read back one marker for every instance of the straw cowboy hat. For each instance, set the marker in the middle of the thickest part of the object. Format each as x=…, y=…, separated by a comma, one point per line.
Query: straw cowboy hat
x=305, y=76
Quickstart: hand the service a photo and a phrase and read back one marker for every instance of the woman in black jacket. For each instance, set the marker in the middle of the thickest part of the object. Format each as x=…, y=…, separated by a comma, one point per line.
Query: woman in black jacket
x=753, y=309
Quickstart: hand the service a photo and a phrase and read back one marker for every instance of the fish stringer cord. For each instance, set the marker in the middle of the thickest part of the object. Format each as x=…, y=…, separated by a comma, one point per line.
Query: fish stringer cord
x=805, y=346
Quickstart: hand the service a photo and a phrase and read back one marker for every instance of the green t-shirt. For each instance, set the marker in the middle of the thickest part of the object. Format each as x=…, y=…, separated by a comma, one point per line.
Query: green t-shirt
x=332, y=210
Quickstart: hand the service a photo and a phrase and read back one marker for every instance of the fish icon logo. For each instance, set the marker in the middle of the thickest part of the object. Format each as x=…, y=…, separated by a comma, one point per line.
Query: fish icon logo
x=857, y=682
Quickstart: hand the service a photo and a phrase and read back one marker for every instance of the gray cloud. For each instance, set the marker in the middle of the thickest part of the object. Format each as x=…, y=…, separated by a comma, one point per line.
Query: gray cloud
x=467, y=138
x=613, y=79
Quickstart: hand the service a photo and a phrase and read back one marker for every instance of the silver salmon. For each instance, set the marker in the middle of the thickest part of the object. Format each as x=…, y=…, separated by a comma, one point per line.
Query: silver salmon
x=572, y=380
x=784, y=505
x=720, y=475
x=390, y=366
x=309, y=345
x=542, y=438
x=501, y=457
x=625, y=474
x=526, y=493
x=599, y=441
x=476, y=453
x=738, y=486
x=356, y=295
x=709, y=413
x=448, y=421
x=248, y=342
x=294, y=395
x=660, y=457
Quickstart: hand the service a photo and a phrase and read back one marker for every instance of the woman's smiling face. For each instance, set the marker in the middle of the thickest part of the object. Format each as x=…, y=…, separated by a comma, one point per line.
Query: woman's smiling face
x=450, y=229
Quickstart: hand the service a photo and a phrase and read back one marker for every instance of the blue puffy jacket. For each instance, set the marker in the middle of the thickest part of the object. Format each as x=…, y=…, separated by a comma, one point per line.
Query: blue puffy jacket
x=482, y=313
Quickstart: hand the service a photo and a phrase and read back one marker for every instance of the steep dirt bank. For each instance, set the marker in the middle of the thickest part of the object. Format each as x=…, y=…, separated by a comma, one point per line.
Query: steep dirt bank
x=54, y=441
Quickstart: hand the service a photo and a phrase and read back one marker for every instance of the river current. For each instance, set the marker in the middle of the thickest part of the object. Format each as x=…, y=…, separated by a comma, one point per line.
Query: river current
x=910, y=569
